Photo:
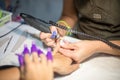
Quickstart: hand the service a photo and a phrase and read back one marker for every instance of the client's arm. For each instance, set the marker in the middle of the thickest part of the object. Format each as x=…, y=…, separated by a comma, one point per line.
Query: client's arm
x=10, y=74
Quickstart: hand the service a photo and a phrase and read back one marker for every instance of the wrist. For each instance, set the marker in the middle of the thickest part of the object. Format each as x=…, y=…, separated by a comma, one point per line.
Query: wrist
x=65, y=24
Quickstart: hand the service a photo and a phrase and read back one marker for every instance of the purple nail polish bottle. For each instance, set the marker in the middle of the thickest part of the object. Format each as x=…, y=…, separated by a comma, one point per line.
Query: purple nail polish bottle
x=49, y=54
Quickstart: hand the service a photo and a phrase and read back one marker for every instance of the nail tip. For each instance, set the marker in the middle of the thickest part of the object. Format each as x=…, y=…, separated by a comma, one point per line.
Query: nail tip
x=49, y=54
x=33, y=48
x=39, y=51
x=20, y=59
x=26, y=50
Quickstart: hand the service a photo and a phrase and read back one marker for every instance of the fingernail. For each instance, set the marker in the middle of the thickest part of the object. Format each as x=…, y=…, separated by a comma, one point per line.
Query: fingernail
x=33, y=48
x=62, y=42
x=20, y=59
x=54, y=34
x=26, y=50
x=39, y=51
x=49, y=54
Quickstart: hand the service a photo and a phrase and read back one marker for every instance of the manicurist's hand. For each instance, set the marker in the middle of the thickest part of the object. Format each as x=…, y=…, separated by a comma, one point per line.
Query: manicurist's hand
x=79, y=51
x=51, y=39
x=63, y=65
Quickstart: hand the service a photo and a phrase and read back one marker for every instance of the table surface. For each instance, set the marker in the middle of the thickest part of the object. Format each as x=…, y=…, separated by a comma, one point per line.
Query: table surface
x=98, y=67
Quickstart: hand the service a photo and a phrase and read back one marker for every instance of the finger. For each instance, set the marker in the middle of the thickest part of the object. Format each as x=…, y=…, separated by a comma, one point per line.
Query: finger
x=50, y=63
x=54, y=35
x=39, y=51
x=53, y=28
x=43, y=59
x=68, y=53
x=35, y=57
x=44, y=35
x=67, y=45
x=20, y=59
x=49, y=54
x=26, y=50
x=27, y=59
x=52, y=44
x=56, y=48
x=65, y=41
x=54, y=31
x=49, y=40
x=33, y=47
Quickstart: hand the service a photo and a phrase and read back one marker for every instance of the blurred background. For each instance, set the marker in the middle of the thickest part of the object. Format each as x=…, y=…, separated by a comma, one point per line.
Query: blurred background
x=43, y=9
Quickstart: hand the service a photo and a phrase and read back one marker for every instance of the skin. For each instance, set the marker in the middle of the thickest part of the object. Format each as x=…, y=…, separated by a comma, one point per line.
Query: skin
x=78, y=51
x=64, y=65
x=33, y=68
x=37, y=70
x=6, y=74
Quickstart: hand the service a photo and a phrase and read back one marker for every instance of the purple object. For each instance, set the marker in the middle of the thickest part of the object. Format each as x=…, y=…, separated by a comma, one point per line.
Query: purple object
x=39, y=51
x=26, y=50
x=20, y=59
x=49, y=54
x=33, y=48
x=54, y=35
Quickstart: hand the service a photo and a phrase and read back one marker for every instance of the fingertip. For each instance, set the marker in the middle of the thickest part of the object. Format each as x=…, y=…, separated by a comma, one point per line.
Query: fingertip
x=33, y=47
x=26, y=50
x=20, y=59
x=53, y=28
x=54, y=35
x=49, y=54
x=42, y=35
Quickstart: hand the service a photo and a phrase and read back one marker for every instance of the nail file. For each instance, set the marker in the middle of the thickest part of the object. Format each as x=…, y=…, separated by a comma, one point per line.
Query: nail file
x=21, y=39
x=3, y=41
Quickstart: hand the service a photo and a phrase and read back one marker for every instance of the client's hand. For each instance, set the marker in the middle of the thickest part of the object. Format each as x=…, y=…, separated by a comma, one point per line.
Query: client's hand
x=63, y=65
x=35, y=65
x=37, y=70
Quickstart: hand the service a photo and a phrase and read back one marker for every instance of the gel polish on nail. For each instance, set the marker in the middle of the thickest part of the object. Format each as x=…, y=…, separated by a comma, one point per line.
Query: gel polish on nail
x=49, y=54
x=20, y=59
x=54, y=34
x=26, y=50
x=39, y=51
x=33, y=48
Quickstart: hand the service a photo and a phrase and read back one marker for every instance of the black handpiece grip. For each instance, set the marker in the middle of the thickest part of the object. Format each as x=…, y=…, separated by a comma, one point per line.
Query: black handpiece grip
x=35, y=22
